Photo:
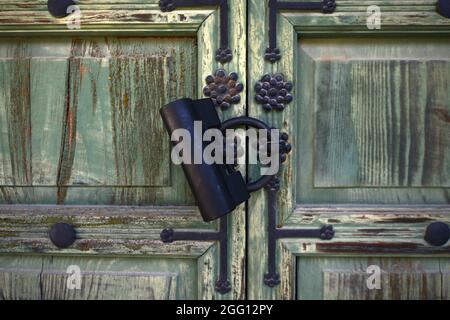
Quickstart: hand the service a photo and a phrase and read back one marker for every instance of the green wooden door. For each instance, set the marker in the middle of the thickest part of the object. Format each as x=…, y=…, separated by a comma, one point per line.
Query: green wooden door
x=370, y=130
x=82, y=142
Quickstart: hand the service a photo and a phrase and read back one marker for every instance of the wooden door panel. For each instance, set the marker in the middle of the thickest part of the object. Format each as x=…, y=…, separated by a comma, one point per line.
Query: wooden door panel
x=334, y=278
x=373, y=118
x=16, y=285
x=99, y=125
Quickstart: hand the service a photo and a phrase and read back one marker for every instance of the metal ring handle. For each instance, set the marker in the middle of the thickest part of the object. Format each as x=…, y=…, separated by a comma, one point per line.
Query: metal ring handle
x=258, y=124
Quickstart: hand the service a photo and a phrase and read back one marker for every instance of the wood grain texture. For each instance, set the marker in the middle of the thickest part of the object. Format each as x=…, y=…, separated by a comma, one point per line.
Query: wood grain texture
x=124, y=17
x=100, y=230
x=374, y=120
x=346, y=279
x=99, y=125
x=120, y=279
x=23, y=284
x=359, y=229
x=46, y=278
x=16, y=141
x=380, y=122
x=350, y=18
x=445, y=270
x=142, y=266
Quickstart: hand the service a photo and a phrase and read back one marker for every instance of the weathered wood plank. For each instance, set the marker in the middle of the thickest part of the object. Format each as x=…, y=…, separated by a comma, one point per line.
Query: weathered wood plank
x=353, y=21
x=445, y=270
x=112, y=129
x=373, y=131
x=92, y=21
x=46, y=278
x=20, y=283
x=118, y=279
x=16, y=115
x=375, y=119
x=346, y=279
x=47, y=99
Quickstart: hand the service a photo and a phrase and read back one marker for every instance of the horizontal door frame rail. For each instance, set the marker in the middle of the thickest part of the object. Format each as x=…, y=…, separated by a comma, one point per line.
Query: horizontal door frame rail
x=361, y=231
x=109, y=231
x=146, y=19
x=224, y=53
x=369, y=230
x=100, y=230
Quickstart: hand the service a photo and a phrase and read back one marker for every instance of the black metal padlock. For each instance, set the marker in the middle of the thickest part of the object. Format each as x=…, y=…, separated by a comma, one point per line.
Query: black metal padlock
x=218, y=188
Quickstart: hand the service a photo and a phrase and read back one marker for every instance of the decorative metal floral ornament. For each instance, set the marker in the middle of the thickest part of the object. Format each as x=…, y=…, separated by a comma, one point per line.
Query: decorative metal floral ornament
x=273, y=92
x=224, y=89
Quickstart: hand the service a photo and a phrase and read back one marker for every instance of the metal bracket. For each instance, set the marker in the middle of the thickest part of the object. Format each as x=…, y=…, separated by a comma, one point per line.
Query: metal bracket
x=273, y=53
x=272, y=278
x=223, y=54
x=444, y=8
x=223, y=286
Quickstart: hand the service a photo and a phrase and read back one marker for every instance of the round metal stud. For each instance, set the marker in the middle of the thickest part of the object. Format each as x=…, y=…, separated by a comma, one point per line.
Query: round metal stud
x=62, y=235
x=437, y=234
x=273, y=92
x=444, y=8
x=58, y=8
